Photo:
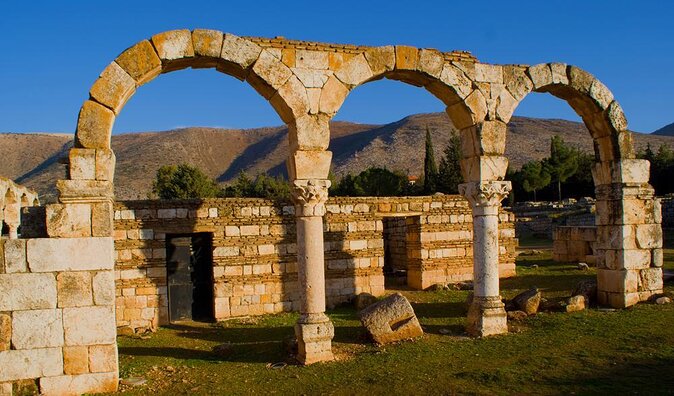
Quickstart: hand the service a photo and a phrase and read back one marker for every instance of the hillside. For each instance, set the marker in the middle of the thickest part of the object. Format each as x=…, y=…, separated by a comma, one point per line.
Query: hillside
x=36, y=160
x=667, y=130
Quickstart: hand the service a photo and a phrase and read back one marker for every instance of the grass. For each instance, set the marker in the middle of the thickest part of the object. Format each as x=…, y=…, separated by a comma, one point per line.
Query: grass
x=589, y=352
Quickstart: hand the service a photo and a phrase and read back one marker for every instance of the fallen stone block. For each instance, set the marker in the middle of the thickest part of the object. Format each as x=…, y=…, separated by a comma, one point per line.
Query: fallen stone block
x=517, y=315
x=587, y=289
x=575, y=303
x=391, y=320
x=527, y=301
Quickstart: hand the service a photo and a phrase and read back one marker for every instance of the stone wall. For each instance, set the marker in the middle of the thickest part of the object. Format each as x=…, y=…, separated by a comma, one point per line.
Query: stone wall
x=574, y=244
x=254, y=250
x=395, y=242
x=57, y=330
x=13, y=197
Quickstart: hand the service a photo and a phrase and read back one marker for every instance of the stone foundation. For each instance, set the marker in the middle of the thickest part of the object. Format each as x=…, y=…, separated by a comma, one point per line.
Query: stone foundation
x=574, y=244
x=255, y=259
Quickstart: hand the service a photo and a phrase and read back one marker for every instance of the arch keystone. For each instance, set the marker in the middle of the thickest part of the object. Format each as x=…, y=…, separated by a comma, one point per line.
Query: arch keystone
x=141, y=62
x=174, y=48
x=113, y=88
x=207, y=42
x=94, y=126
x=540, y=75
x=406, y=57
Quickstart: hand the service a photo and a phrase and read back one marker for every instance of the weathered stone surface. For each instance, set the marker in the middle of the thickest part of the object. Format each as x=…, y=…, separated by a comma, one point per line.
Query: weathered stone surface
x=5, y=331
x=70, y=254
x=406, y=57
x=663, y=300
x=74, y=289
x=101, y=219
x=575, y=303
x=559, y=73
x=141, y=62
x=173, y=44
x=75, y=360
x=310, y=132
x=528, y=301
x=484, y=168
x=381, y=59
x=316, y=60
x=113, y=88
x=68, y=220
x=30, y=363
x=271, y=72
x=37, y=329
x=15, y=256
x=587, y=289
x=89, y=325
x=332, y=96
x=207, y=42
x=363, y=300
x=580, y=80
x=486, y=317
x=540, y=75
x=314, y=342
x=650, y=279
x=391, y=320
x=94, y=126
x=355, y=71
x=488, y=73
x=239, y=51
x=431, y=62
x=517, y=315
x=103, y=358
x=79, y=384
x=517, y=82
x=82, y=163
x=76, y=190
x=105, y=164
x=310, y=164
x=27, y=291
x=104, y=288
x=291, y=100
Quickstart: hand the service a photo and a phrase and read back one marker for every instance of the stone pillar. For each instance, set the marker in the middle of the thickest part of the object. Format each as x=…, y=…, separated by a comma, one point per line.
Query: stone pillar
x=629, y=234
x=12, y=217
x=486, y=315
x=313, y=330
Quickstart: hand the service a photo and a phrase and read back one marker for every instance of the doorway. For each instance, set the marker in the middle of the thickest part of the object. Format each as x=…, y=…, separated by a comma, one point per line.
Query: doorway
x=395, y=252
x=189, y=269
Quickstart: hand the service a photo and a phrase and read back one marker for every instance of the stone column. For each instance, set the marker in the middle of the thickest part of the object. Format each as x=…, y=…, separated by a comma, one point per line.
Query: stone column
x=486, y=315
x=313, y=330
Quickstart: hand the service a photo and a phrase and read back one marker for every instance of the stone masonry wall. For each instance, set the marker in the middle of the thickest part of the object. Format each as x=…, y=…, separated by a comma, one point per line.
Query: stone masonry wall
x=395, y=242
x=57, y=330
x=574, y=244
x=254, y=251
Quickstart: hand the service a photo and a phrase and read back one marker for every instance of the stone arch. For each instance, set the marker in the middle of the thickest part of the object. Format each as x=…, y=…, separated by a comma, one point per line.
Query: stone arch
x=12, y=212
x=91, y=157
x=25, y=201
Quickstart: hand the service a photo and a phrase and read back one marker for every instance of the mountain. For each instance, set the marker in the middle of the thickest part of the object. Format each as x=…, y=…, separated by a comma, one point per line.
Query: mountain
x=37, y=160
x=667, y=130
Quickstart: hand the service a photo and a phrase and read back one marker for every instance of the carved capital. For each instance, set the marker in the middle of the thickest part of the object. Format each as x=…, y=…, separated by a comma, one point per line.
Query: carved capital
x=309, y=196
x=485, y=194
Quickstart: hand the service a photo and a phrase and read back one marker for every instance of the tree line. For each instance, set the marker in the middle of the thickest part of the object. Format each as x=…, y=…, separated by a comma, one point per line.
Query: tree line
x=565, y=173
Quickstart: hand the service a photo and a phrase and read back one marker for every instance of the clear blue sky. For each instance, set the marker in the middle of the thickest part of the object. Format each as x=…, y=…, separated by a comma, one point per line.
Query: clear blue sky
x=52, y=51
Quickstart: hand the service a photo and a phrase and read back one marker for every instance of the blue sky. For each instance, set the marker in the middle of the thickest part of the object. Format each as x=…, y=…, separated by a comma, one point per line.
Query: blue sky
x=53, y=51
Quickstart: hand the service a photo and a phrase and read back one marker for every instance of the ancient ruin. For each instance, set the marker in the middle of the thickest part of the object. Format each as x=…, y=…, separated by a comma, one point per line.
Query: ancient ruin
x=57, y=312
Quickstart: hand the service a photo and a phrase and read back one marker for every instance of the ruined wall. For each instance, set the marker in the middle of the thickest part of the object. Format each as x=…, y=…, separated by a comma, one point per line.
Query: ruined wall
x=57, y=327
x=574, y=244
x=395, y=242
x=254, y=250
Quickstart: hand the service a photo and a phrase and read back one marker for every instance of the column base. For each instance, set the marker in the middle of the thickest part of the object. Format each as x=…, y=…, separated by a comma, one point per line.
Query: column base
x=486, y=317
x=314, y=334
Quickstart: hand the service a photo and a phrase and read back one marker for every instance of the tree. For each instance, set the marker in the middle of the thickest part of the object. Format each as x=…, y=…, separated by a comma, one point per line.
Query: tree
x=534, y=176
x=379, y=182
x=430, y=168
x=183, y=182
x=263, y=186
x=562, y=164
x=449, y=173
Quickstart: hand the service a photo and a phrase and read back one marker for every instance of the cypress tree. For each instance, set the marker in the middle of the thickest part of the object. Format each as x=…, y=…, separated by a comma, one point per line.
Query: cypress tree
x=430, y=168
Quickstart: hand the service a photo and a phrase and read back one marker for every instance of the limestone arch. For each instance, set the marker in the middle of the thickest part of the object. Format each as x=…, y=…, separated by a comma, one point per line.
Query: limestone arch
x=163, y=53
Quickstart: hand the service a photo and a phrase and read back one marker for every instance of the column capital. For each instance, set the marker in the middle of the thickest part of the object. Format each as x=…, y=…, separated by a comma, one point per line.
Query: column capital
x=310, y=196
x=485, y=194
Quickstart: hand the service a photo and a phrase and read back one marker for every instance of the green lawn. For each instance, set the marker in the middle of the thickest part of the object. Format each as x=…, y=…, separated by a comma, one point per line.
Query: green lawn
x=590, y=352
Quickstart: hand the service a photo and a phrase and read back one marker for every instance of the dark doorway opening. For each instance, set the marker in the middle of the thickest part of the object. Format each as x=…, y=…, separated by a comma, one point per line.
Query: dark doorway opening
x=189, y=269
x=395, y=252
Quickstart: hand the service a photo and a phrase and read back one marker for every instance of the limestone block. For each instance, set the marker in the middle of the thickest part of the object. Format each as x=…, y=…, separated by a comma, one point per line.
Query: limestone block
x=484, y=168
x=649, y=236
x=391, y=319
x=89, y=325
x=103, y=358
x=317, y=60
x=311, y=78
x=79, y=384
x=517, y=82
x=113, y=88
x=657, y=257
x=5, y=331
x=477, y=104
x=456, y=79
x=75, y=360
x=559, y=73
x=541, y=75
x=505, y=106
x=269, y=74
x=94, y=126
x=332, y=96
x=431, y=62
x=74, y=289
x=140, y=62
x=381, y=59
x=616, y=117
x=101, y=219
x=27, y=291
x=406, y=57
x=37, y=329
x=650, y=279
x=226, y=251
x=82, y=163
x=105, y=164
x=601, y=94
x=30, y=363
x=291, y=100
x=355, y=71
x=78, y=189
x=6, y=389
x=580, y=80
x=309, y=132
x=491, y=137
x=239, y=51
x=309, y=164
x=207, y=43
x=172, y=47
x=70, y=254
x=488, y=73
x=314, y=96
x=15, y=256
x=68, y=220
x=617, y=281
